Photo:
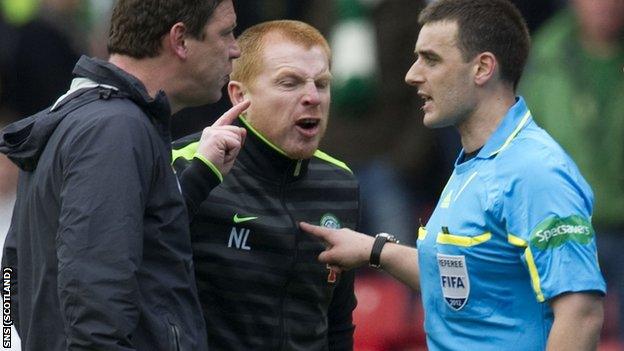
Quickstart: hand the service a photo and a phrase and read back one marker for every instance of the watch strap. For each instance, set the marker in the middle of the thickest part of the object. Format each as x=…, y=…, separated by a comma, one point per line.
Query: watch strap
x=375, y=256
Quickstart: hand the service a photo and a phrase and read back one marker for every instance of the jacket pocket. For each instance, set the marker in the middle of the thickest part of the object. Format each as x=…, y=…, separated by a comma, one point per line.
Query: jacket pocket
x=463, y=241
x=463, y=291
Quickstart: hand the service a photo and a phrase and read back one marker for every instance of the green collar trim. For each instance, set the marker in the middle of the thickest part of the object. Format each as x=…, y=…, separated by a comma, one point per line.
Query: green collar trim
x=261, y=137
x=325, y=157
x=318, y=153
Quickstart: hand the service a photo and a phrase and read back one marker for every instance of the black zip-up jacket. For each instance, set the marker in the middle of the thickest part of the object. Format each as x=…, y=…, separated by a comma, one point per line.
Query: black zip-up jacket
x=99, y=242
x=260, y=284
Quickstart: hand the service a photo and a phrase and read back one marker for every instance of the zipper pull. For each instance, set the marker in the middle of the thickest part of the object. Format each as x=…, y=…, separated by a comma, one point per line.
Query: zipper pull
x=297, y=168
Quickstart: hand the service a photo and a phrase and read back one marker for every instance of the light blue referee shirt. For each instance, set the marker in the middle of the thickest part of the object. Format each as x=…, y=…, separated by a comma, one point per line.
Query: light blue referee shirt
x=511, y=231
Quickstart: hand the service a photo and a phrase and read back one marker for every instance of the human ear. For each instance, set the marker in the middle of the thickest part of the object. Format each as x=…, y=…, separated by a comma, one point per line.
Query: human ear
x=485, y=67
x=176, y=40
x=236, y=92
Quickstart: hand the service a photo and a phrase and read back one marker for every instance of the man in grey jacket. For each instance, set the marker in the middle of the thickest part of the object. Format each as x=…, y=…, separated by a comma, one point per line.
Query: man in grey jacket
x=98, y=254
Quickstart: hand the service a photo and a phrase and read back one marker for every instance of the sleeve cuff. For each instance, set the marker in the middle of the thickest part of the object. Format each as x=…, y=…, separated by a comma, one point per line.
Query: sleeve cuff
x=210, y=165
x=197, y=181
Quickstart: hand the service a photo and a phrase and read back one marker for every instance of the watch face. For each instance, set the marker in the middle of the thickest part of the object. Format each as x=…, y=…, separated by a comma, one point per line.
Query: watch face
x=389, y=237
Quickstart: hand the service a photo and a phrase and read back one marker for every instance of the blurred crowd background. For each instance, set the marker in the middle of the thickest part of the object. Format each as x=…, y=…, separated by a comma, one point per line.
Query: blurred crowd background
x=574, y=85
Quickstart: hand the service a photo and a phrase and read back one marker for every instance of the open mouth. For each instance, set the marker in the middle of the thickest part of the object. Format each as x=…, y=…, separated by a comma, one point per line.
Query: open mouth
x=308, y=123
x=427, y=101
x=425, y=97
x=308, y=127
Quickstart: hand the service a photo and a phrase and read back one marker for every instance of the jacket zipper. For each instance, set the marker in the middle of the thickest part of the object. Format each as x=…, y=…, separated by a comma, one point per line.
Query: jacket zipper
x=294, y=223
x=297, y=168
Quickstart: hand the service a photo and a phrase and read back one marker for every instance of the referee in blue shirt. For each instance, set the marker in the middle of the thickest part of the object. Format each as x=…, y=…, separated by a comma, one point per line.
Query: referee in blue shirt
x=508, y=258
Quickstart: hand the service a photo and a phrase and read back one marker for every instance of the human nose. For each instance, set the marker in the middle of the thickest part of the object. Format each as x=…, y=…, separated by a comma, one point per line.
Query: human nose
x=312, y=95
x=414, y=75
x=235, y=51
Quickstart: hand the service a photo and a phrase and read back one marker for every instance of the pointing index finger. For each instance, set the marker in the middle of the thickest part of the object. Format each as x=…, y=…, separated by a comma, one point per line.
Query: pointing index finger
x=230, y=115
x=319, y=232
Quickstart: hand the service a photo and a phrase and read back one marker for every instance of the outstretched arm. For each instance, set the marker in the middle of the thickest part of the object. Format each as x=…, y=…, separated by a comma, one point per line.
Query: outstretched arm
x=347, y=249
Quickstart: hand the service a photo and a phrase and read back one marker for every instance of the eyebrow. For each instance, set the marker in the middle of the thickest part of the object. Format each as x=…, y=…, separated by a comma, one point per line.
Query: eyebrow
x=428, y=54
x=289, y=71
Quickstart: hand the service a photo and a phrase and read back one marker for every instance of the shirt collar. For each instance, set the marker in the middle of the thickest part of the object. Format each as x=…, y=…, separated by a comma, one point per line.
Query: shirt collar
x=105, y=73
x=514, y=121
x=265, y=158
x=516, y=118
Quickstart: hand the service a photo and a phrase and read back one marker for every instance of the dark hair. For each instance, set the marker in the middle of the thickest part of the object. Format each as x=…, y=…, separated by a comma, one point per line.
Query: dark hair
x=137, y=26
x=486, y=25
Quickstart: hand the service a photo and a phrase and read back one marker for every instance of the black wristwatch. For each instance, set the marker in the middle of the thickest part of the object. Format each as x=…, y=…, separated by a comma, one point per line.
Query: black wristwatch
x=380, y=240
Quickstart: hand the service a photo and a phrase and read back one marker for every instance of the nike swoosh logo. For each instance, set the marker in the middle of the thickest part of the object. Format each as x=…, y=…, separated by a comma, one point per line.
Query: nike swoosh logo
x=238, y=219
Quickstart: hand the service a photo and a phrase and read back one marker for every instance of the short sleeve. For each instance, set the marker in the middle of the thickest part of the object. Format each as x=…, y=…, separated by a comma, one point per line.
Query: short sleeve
x=548, y=206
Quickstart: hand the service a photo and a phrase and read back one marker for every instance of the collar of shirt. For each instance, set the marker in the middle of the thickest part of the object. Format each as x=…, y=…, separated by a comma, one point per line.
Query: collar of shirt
x=267, y=160
x=107, y=74
x=514, y=121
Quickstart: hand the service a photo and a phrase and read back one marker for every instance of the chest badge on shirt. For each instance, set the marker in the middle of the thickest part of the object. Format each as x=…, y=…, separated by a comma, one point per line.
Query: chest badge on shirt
x=454, y=280
x=329, y=220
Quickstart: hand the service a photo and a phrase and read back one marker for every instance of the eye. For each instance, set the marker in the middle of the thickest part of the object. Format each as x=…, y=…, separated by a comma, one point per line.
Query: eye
x=322, y=84
x=289, y=83
x=228, y=31
x=430, y=62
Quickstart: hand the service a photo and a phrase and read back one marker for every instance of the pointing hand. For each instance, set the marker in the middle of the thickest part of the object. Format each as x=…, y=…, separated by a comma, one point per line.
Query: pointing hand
x=221, y=142
x=346, y=249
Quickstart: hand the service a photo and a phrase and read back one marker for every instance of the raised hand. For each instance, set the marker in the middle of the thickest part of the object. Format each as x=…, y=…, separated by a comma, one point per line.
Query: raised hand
x=221, y=142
